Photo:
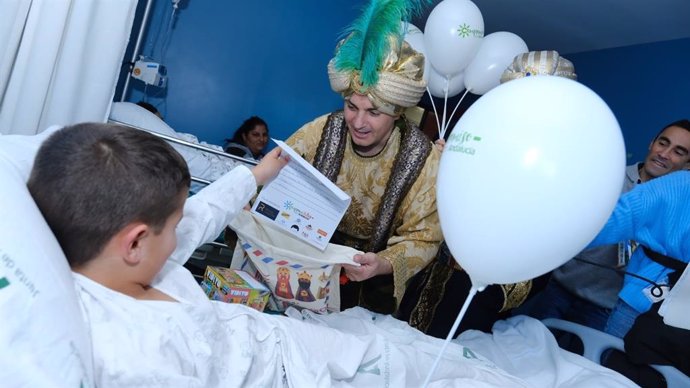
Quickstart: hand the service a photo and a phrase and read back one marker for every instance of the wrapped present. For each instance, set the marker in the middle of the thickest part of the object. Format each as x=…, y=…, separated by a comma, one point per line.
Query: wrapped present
x=234, y=286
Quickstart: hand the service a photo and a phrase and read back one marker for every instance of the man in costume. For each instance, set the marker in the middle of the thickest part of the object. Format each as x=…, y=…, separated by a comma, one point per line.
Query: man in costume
x=381, y=160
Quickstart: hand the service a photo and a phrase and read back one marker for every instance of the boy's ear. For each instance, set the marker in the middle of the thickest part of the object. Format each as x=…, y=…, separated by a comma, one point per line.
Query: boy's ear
x=132, y=242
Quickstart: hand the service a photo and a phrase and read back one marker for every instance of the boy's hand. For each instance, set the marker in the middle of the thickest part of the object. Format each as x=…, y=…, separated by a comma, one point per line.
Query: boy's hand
x=270, y=165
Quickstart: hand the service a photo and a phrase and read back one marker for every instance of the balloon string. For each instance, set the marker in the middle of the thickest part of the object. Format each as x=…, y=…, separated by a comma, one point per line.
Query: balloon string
x=470, y=296
x=445, y=110
x=443, y=132
x=438, y=124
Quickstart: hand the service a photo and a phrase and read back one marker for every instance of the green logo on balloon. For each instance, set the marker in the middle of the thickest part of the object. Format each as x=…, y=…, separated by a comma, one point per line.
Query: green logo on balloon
x=461, y=142
x=465, y=31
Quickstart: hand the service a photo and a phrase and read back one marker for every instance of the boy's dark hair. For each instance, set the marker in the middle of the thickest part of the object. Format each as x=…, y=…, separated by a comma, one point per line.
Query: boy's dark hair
x=683, y=123
x=90, y=180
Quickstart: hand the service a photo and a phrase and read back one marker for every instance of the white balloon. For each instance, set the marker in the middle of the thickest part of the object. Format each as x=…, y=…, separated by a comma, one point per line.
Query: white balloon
x=452, y=35
x=438, y=84
x=529, y=175
x=495, y=55
x=415, y=37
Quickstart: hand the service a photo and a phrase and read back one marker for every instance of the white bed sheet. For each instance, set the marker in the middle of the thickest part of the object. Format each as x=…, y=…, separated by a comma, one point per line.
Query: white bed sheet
x=521, y=346
x=524, y=347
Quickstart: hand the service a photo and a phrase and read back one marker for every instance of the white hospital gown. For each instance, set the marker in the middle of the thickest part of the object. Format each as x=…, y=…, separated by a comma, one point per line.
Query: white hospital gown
x=201, y=343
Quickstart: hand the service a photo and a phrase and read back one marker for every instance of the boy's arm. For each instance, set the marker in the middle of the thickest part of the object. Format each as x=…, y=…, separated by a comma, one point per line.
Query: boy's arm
x=208, y=212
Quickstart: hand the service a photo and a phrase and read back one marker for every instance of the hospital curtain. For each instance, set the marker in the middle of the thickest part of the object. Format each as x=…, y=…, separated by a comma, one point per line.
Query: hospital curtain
x=59, y=60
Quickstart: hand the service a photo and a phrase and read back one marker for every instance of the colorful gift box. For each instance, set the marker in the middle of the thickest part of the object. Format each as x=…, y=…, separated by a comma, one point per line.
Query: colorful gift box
x=234, y=286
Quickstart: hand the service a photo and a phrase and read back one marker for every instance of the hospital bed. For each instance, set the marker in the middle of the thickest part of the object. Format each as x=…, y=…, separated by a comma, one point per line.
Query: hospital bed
x=46, y=340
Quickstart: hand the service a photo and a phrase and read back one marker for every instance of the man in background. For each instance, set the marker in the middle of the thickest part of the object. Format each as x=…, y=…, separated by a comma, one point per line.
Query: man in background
x=586, y=293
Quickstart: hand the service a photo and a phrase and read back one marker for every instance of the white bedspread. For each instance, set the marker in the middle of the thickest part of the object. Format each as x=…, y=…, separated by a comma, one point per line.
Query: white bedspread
x=200, y=343
x=524, y=347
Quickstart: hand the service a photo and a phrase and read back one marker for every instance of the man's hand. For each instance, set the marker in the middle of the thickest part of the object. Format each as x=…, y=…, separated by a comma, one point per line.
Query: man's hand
x=370, y=265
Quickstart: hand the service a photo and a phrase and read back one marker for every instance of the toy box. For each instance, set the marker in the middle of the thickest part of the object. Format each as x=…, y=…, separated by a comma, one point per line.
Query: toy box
x=234, y=286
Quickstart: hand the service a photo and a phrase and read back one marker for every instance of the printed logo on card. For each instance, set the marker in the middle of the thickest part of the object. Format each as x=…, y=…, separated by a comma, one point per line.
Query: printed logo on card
x=267, y=210
x=290, y=206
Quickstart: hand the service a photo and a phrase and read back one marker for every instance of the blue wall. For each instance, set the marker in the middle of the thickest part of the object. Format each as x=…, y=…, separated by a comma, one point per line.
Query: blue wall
x=229, y=60
x=646, y=86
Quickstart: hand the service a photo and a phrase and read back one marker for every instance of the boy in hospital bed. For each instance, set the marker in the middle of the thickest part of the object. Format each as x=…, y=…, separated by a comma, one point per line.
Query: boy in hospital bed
x=116, y=200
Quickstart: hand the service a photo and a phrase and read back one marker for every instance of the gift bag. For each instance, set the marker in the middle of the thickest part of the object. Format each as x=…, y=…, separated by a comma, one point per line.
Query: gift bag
x=297, y=273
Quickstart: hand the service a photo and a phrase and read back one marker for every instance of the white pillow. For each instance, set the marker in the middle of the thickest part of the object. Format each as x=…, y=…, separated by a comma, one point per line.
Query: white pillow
x=44, y=339
x=133, y=114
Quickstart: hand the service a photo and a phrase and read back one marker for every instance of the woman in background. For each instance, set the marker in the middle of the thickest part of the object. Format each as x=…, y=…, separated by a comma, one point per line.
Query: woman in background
x=249, y=139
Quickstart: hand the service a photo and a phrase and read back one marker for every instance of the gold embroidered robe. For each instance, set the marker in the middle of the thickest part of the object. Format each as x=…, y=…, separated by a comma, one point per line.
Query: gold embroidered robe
x=416, y=231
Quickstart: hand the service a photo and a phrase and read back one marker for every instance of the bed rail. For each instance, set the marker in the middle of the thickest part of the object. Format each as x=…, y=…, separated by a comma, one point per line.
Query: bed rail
x=190, y=145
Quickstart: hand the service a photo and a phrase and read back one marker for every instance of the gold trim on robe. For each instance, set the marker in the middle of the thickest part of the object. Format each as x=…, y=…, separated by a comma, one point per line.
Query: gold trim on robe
x=407, y=233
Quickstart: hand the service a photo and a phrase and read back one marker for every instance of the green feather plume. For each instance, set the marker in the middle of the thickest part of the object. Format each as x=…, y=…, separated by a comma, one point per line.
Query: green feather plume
x=368, y=43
